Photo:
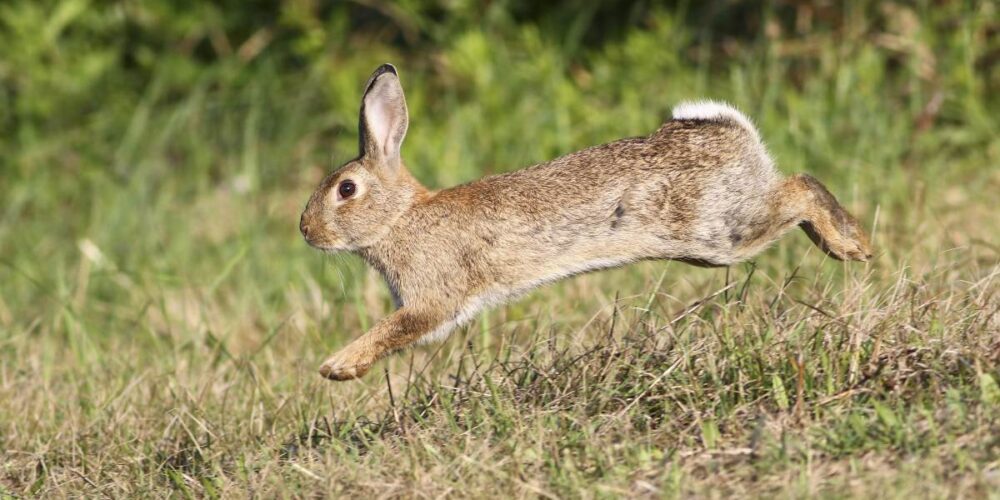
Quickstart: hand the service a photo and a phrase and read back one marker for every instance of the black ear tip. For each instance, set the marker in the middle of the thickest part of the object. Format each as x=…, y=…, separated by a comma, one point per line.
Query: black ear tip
x=385, y=68
x=381, y=70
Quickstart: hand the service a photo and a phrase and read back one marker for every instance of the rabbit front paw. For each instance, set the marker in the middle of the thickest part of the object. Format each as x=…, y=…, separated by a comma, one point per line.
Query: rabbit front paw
x=349, y=363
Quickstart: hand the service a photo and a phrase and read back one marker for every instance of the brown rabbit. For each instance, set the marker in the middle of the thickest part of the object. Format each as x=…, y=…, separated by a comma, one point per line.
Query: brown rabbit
x=701, y=189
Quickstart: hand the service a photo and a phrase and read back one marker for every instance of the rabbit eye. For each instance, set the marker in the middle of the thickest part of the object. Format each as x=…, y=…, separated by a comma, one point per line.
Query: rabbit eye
x=347, y=189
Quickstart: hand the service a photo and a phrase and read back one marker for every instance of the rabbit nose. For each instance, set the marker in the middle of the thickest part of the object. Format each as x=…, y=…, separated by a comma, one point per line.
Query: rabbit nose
x=303, y=227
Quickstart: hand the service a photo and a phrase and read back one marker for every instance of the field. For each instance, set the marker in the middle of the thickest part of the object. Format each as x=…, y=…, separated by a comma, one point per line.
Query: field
x=162, y=321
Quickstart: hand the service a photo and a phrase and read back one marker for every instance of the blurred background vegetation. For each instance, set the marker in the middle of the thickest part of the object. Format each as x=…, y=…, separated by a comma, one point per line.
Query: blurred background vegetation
x=118, y=118
x=155, y=156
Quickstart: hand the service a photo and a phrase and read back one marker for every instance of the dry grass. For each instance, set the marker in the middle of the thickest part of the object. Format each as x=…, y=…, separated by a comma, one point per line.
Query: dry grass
x=799, y=382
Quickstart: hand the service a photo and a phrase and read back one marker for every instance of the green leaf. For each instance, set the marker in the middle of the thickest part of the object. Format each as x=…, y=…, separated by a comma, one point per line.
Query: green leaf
x=710, y=433
x=780, y=395
x=989, y=392
x=886, y=415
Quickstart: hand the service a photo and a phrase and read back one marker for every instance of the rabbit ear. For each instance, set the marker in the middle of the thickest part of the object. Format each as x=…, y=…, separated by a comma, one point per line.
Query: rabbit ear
x=383, y=120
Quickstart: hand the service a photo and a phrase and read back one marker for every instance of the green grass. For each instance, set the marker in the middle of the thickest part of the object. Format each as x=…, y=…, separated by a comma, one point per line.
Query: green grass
x=161, y=320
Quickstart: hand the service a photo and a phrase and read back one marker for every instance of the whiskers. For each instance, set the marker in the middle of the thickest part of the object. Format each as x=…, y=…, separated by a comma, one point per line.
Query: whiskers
x=339, y=263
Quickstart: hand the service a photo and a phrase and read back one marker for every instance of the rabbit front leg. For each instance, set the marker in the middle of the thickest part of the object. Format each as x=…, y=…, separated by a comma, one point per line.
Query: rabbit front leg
x=393, y=333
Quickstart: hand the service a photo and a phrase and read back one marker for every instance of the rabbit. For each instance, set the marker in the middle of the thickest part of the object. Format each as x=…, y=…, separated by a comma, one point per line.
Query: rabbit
x=701, y=189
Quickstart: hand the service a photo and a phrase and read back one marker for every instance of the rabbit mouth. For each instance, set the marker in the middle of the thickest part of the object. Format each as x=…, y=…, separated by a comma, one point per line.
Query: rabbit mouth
x=327, y=246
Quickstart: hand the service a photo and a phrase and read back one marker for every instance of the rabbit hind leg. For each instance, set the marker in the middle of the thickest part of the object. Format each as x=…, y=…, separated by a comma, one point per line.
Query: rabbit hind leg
x=824, y=219
x=802, y=201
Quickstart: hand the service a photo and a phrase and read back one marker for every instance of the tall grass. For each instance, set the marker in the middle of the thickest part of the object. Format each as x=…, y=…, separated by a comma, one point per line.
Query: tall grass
x=161, y=320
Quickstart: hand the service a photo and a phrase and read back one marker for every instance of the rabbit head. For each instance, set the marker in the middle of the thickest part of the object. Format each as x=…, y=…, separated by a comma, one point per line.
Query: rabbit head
x=357, y=204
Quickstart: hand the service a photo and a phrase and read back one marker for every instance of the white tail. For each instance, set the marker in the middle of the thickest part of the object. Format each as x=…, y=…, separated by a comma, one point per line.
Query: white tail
x=713, y=110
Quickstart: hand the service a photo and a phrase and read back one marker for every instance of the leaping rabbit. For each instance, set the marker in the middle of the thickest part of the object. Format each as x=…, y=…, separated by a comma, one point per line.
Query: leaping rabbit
x=702, y=189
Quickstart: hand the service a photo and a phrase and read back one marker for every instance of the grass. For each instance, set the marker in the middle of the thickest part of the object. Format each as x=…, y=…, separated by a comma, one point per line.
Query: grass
x=161, y=321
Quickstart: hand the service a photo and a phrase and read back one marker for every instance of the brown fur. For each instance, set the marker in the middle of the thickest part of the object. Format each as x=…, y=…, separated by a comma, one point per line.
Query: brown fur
x=702, y=191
